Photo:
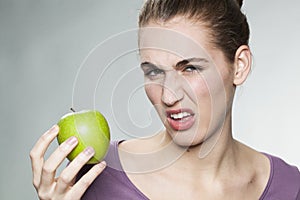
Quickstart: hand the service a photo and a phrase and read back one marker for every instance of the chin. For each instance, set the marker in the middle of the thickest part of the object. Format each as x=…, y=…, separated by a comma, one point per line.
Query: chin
x=184, y=140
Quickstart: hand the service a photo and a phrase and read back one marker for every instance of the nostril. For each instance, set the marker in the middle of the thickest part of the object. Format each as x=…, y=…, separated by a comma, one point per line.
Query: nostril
x=169, y=97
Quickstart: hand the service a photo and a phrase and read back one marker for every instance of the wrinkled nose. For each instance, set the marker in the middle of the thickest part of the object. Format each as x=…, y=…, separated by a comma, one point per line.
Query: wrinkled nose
x=172, y=91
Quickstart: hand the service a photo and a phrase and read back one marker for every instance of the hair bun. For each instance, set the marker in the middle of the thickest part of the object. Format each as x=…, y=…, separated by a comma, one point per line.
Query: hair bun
x=240, y=2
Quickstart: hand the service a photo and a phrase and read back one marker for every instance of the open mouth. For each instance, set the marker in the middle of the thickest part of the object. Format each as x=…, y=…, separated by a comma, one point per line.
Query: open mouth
x=181, y=119
x=180, y=116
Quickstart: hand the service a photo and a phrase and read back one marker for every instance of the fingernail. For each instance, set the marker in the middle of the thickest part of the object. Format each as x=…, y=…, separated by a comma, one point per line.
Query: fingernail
x=72, y=140
x=102, y=164
x=89, y=151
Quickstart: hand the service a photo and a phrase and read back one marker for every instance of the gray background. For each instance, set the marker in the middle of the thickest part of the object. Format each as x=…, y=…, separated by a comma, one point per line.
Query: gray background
x=43, y=43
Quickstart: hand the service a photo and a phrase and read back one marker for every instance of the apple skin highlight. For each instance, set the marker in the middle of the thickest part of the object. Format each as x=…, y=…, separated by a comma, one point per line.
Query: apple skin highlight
x=90, y=128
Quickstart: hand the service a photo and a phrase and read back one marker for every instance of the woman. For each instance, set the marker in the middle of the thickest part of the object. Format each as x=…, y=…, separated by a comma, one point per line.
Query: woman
x=193, y=54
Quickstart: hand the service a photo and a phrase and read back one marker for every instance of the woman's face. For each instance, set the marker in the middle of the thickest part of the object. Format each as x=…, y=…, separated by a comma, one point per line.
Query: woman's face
x=187, y=80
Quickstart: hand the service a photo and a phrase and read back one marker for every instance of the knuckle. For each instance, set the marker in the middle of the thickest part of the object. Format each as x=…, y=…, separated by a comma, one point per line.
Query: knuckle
x=81, y=159
x=65, y=179
x=94, y=172
x=44, y=137
x=64, y=148
x=43, y=195
x=32, y=154
x=47, y=169
x=35, y=184
x=86, y=183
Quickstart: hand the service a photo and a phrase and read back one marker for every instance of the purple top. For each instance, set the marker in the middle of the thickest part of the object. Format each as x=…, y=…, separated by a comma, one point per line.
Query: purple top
x=113, y=184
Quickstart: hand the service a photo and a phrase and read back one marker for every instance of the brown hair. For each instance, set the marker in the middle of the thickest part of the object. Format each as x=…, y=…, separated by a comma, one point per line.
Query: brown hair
x=228, y=25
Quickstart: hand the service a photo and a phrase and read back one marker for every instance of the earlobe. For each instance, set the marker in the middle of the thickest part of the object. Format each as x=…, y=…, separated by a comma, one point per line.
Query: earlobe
x=242, y=64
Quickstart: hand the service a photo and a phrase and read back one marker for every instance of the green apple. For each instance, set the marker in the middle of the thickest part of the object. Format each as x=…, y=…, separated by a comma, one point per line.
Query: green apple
x=90, y=128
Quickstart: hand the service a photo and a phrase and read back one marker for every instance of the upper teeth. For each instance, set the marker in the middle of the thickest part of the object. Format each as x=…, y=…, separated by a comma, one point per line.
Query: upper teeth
x=180, y=115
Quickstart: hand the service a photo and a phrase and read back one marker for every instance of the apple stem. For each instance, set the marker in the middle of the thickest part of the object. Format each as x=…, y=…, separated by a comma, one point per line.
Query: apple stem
x=72, y=109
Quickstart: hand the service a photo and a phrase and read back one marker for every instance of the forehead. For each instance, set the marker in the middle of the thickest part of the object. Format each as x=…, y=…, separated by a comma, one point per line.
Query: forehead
x=176, y=39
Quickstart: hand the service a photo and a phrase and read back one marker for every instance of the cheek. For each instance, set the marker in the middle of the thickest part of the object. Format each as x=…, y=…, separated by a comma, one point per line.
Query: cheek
x=211, y=87
x=208, y=94
x=153, y=92
x=212, y=101
x=197, y=90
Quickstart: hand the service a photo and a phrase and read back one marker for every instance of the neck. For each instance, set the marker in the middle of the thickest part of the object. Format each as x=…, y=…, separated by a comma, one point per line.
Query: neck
x=160, y=152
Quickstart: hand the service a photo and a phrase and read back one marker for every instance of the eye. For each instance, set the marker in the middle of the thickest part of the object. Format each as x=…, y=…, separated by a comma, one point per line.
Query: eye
x=191, y=69
x=154, y=73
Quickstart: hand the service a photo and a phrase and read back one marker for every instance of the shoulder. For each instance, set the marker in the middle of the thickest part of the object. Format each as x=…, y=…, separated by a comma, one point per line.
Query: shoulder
x=143, y=145
x=284, y=181
x=284, y=172
x=113, y=182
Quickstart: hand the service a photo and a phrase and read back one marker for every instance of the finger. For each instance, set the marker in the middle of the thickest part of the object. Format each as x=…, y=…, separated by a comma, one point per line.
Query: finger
x=55, y=159
x=81, y=186
x=68, y=174
x=38, y=151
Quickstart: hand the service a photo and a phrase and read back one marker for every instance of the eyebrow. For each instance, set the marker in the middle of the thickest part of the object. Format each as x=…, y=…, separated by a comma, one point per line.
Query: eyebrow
x=178, y=65
x=148, y=64
x=184, y=62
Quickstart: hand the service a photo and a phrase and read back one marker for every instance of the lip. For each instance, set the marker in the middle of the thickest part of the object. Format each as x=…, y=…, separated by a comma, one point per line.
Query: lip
x=183, y=124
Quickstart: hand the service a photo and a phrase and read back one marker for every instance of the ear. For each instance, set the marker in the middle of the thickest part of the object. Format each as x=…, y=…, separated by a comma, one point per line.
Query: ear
x=242, y=64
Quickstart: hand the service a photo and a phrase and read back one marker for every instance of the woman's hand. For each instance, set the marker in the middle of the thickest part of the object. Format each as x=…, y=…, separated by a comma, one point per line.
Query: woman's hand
x=62, y=187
